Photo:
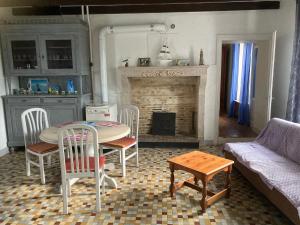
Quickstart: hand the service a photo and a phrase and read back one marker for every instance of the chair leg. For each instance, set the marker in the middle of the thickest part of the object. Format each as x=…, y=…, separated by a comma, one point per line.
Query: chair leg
x=103, y=187
x=103, y=181
x=137, y=154
x=49, y=161
x=98, y=199
x=69, y=188
x=123, y=163
x=65, y=196
x=27, y=163
x=42, y=171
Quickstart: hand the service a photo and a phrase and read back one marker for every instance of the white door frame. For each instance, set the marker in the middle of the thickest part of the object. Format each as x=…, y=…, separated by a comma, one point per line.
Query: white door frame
x=229, y=38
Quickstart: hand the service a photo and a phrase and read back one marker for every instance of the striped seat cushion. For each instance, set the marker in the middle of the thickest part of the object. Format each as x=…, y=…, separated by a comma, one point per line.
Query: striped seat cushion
x=91, y=162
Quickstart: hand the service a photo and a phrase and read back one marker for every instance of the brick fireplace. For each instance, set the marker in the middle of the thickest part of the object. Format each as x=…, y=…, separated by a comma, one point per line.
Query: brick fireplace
x=179, y=90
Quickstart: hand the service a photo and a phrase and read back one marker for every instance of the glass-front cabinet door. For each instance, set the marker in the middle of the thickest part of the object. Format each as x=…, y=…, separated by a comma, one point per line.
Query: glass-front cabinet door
x=58, y=54
x=23, y=52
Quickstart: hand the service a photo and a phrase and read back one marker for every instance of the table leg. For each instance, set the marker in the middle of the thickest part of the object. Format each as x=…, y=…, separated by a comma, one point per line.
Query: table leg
x=204, y=194
x=196, y=180
x=228, y=181
x=110, y=181
x=59, y=186
x=172, y=179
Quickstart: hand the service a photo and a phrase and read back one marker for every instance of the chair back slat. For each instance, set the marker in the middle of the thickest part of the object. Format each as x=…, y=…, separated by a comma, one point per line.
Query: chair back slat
x=83, y=159
x=75, y=147
x=77, y=139
x=68, y=137
x=33, y=120
x=129, y=115
x=89, y=145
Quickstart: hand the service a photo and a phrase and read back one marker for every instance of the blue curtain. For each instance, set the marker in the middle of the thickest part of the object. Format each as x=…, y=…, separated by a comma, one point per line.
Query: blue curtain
x=293, y=105
x=234, y=77
x=244, y=108
x=254, y=63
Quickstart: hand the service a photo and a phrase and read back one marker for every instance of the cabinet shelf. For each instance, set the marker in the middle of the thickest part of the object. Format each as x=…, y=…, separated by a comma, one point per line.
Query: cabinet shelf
x=25, y=68
x=60, y=47
x=59, y=59
x=23, y=48
x=24, y=60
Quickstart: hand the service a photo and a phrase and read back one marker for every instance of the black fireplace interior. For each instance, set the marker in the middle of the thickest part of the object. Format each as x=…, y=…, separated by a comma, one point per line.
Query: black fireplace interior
x=163, y=123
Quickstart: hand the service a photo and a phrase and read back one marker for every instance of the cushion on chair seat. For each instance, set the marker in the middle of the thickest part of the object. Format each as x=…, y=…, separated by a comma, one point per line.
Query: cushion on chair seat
x=121, y=143
x=91, y=162
x=42, y=147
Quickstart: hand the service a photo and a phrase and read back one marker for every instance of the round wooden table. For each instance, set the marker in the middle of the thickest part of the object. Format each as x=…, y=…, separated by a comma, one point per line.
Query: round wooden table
x=107, y=131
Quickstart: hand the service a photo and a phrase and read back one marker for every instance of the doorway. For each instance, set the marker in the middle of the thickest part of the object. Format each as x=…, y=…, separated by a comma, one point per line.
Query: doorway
x=244, y=85
x=238, y=76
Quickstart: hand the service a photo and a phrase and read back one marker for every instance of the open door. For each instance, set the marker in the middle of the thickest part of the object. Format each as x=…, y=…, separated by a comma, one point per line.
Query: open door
x=262, y=99
x=272, y=62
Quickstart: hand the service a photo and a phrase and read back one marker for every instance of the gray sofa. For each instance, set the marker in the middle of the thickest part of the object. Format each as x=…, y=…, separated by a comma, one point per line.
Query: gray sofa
x=272, y=164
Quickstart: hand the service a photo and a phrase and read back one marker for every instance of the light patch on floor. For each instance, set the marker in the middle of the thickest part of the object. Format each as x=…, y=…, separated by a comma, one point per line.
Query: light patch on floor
x=141, y=198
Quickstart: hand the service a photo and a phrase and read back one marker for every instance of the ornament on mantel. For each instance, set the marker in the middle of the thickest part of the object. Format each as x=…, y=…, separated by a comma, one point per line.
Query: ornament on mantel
x=201, y=60
x=164, y=56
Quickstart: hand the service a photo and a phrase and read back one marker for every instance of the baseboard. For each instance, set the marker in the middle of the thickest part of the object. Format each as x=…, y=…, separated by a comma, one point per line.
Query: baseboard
x=232, y=140
x=4, y=151
x=207, y=142
x=169, y=145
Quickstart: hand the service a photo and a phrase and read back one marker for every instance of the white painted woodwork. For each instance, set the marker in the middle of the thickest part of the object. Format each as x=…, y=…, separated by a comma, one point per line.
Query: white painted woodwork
x=34, y=121
x=129, y=115
x=74, y=143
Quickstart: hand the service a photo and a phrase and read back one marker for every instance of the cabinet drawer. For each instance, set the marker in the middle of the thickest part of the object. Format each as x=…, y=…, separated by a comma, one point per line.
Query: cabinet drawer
x=23, y=100
x=60, y=100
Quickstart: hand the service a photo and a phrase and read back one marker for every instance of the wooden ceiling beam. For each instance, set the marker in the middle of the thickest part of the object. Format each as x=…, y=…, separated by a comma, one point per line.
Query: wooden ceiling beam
x=44, y=3
x=151, y=8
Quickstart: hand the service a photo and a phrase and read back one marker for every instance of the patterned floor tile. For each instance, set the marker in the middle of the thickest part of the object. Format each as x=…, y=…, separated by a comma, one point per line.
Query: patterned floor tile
x=141, y=198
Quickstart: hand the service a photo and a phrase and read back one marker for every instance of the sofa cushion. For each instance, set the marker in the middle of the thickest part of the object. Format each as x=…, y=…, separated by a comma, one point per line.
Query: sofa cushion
x=283, y=137
x=275, y=170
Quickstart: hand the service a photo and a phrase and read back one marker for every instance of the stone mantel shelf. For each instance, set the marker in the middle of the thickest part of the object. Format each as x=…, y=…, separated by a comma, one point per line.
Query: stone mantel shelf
x=171, y=71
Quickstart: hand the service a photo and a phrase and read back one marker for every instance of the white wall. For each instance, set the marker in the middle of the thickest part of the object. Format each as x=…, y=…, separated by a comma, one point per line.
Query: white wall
x=3, y=139
x=195, y=31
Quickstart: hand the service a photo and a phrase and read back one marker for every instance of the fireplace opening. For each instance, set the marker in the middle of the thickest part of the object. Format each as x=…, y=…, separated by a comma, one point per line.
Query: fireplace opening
x=163, y=123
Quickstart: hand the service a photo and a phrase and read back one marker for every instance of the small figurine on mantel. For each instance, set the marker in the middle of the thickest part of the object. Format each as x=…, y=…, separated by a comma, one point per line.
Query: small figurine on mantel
x=125, y=62
x=201, y=60
x=164, y=56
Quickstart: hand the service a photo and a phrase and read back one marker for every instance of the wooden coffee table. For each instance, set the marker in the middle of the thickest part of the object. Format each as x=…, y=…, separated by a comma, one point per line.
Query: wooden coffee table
x=203, y=166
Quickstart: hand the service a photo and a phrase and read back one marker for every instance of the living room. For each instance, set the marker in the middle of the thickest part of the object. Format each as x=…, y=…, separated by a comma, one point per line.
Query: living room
x=166, y=59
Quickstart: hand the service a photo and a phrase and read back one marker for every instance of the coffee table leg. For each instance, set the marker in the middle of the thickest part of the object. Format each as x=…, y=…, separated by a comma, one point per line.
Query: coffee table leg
x=228, y=181
x=172, y=179
x=204, y=194
x=196, y=180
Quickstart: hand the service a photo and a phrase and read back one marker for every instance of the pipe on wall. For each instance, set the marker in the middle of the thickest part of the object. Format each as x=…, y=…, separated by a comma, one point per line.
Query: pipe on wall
x=102, y=47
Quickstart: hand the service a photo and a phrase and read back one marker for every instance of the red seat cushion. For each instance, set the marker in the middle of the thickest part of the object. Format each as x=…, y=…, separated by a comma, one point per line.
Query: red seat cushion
x=42, y=147
x=121, y=143
x=91, y=160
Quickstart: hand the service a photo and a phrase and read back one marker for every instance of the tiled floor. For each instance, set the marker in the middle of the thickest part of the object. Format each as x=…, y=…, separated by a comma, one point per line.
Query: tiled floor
x=142, y=197
x=229, y=128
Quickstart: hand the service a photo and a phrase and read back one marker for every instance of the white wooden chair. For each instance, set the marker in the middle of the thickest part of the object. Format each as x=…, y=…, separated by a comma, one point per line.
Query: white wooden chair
x=74, y=142
x=34, y=120
x=128, y=115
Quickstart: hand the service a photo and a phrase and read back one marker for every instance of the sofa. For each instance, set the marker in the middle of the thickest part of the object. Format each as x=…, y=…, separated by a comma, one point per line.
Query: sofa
x=272, y=164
